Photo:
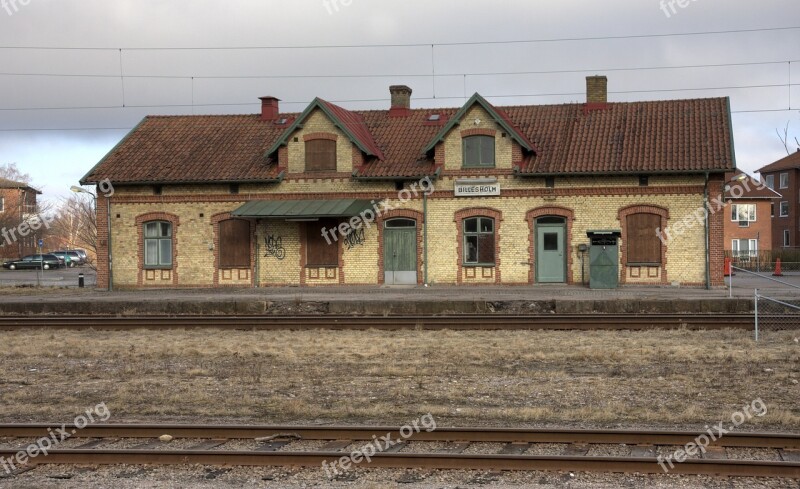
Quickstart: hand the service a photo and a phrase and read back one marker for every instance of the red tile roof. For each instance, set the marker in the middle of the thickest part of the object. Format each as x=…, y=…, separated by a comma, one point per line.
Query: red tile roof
x=750, y=187
x=634, y=137
x=788, y=163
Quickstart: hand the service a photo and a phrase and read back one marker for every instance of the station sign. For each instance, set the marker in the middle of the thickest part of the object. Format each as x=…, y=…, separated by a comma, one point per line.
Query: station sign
x=475, y=187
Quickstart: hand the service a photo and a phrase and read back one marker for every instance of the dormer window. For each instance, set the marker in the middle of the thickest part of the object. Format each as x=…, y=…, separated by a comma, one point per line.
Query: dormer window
x=320, y=155
x=479, y=152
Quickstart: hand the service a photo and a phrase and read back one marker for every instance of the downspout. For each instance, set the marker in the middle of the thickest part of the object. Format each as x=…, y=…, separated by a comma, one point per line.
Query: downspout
x=108, y=248
x=707, y=211
x=425, y=237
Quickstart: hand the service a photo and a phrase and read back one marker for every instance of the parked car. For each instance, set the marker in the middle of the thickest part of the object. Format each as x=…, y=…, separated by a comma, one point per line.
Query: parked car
x=84, y=258
x=66, y=258
x=74, y=257
x=46, y=261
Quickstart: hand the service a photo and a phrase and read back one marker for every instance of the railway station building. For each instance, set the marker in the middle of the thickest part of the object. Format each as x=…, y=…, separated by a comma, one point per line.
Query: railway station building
x=471, y=195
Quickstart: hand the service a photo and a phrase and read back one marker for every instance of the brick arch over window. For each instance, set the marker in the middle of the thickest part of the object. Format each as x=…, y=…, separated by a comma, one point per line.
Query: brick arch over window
x=321, y=135
x=531, y=217
x=394, y=214
x=216, y=219
x=663, y=213
x=157, y=216
x=478, y=132
x=478, y=212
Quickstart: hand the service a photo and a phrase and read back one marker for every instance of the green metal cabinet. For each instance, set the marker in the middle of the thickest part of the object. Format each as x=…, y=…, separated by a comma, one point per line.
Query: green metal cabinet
x=604, y=259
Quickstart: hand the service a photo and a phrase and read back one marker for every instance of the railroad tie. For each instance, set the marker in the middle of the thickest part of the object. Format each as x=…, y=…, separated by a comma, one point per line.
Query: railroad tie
x=644, y=451
x=576, y=450
x=455, y=448
x=208, y=445
x=336, y=445
x=789, y=455
x=274, y=445
x=715, y=453
x=515, y=448
x=96, y=443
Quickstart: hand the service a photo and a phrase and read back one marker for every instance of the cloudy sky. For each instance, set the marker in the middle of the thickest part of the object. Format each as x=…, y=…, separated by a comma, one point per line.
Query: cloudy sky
x=62, y=109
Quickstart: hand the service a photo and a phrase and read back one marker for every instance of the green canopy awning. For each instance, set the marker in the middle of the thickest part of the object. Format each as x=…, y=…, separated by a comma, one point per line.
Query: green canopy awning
x=302, y=209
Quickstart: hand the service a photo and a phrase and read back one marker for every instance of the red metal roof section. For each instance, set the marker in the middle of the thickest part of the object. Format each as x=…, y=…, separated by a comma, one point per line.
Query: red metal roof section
x=355, y=124
x=635, y=137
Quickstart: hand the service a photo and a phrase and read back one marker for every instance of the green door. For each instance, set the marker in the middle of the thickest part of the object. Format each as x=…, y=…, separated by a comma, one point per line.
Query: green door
x=400, y=252
x=550, y=256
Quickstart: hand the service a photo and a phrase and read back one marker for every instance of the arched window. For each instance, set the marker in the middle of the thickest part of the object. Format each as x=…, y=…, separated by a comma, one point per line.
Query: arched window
x=479, y=241
x=158, y=244
x=479, y=151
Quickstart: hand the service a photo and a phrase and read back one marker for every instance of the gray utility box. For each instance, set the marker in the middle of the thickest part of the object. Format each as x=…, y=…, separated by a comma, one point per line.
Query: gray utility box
x=604, y=259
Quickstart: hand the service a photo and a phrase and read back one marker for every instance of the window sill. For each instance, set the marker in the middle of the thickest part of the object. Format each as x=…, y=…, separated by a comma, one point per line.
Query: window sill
x=643, y=264
x=478, y=265
x=243, y=267
x=322, y=266
x=157, y=267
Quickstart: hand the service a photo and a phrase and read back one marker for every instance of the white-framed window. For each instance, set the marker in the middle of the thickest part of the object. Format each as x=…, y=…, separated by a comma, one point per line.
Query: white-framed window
x=770, y=181
x=786, y=240
x=784, y=180
x=157, y=244
x=745, y=248
x=784, y=209
x=744, y=213
x=2, y=204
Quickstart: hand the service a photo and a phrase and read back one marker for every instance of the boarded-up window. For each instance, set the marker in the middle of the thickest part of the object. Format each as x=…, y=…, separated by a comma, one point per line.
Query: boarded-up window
x=321, y=252
x=643, y=243
x=234, y=244
x=320, y=155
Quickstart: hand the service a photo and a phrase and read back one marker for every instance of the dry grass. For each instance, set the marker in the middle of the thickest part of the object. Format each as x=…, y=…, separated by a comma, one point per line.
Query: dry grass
x=543, y=378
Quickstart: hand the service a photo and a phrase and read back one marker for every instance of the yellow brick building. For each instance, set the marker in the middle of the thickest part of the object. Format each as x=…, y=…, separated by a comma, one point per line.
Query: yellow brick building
x=471, y=195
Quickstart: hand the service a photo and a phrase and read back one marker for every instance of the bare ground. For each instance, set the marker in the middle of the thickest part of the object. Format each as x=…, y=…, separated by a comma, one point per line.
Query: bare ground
x=537, y=378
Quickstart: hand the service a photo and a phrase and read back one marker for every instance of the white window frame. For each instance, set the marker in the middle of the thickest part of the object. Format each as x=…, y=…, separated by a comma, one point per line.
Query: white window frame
x=2, y=204
x=786, y=238
x=736, y=215
x=752, y=250
x=784, y=180
x=782, y=214
x=769, y=180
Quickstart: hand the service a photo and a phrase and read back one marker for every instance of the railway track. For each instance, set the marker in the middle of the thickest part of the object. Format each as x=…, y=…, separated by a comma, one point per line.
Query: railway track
x=442, y=448
x=336, y=322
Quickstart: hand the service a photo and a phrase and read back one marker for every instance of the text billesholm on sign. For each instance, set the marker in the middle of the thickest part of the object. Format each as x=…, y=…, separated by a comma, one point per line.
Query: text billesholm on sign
x=476, y=188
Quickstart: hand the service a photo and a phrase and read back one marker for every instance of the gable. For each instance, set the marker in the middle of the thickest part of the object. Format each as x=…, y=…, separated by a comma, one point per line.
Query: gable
x=498, y=116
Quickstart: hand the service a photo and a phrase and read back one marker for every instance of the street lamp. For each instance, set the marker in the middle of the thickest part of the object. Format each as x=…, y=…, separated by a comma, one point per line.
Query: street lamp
x=81, y=190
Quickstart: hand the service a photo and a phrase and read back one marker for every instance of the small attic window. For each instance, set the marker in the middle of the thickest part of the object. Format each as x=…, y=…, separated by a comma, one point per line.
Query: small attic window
x=282, y=122
x=434, y=117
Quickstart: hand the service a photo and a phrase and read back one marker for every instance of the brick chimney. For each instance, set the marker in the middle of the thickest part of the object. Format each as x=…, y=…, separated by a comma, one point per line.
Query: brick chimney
x=596, y=89
x=401, y=101
x=270, y=108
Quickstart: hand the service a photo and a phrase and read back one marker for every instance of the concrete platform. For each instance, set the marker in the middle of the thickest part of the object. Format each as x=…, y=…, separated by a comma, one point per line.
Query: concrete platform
x=366, y=300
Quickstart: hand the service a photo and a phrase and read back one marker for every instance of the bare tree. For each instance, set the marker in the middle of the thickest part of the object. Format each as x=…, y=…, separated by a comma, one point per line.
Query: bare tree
x=9, y=171
x=75, y=225
x=786, y=141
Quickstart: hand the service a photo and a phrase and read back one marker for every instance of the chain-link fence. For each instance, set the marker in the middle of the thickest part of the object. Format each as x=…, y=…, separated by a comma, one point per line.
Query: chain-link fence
x=776, y=317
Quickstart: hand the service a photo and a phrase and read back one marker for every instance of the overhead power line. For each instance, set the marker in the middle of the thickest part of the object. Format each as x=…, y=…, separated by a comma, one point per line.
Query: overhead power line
x=382, y=99
x=404, y=45
x=407, y=75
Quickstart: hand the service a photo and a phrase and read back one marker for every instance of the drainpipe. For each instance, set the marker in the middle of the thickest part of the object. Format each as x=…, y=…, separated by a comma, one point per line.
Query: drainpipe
x=708, y=210
x=110, y=266
x=425, y=237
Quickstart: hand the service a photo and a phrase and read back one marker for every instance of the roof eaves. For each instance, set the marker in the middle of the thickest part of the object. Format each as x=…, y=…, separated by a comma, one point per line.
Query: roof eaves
x=83, y=180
